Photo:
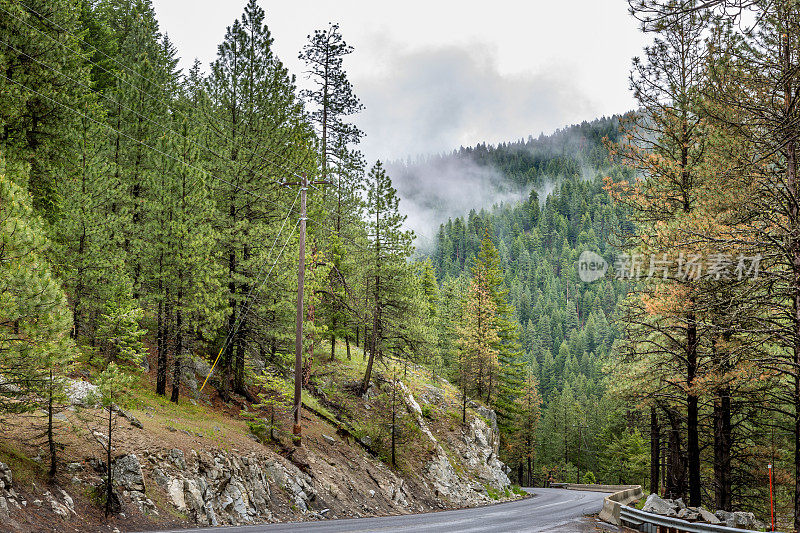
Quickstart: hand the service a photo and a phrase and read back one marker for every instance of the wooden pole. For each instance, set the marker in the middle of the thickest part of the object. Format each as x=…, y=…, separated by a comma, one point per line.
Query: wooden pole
x=298, y=341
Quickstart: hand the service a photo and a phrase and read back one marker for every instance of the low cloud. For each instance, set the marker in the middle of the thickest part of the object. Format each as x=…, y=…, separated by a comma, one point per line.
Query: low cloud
x=439, y=188
x=434, y=100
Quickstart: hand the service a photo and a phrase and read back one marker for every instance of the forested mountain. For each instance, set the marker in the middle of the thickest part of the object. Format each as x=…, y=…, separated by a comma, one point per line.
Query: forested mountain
x=434, y=188
x=567, y=327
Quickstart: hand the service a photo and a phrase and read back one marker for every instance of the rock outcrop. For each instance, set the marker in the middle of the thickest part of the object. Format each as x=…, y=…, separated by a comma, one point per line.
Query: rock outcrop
x=227, y=487
x=81, y=393
x=477, y=452
x=677, y=508
x=7, y=493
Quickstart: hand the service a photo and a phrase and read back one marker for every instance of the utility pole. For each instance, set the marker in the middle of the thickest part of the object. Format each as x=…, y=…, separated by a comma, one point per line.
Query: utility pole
x=297, y=430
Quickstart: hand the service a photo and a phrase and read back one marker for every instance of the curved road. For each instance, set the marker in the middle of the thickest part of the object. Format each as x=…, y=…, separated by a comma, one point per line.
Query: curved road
x=556, y=510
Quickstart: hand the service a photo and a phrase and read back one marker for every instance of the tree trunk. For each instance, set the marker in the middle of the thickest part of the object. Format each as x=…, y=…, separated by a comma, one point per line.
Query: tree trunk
x=692, y=436
x=76, y=304
x=463, y=405
x=227, y=358
x=176, y=374
x=530, y=472
x=676, y=466
x=655, y=450
x=240, y=337
x=161, y=354
x=50, y=438
x=394, y=420
x=371, y=360
x=722, y=450
x=347, y=345
x=109, y=477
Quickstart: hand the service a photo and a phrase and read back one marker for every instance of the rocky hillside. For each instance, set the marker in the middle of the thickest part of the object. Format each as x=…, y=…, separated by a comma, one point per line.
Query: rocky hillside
x=203, y=462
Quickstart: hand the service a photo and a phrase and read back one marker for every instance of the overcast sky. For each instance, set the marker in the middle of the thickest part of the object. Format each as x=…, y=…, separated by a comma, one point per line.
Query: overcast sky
x=435, y=75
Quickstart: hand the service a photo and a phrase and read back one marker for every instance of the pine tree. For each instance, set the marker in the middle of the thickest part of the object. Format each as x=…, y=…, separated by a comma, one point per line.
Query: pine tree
x=523, y=443
x=39, y=56
x=188, y=281
x=332, y=101
x=478, y=341
x=332, y=97
x=34, y=318
x=667, y=145
x=113, y=385
x=257, y=126
x=390, y=249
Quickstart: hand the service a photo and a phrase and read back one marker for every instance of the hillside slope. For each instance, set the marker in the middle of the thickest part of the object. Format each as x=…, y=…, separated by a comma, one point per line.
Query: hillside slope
x=203, y=463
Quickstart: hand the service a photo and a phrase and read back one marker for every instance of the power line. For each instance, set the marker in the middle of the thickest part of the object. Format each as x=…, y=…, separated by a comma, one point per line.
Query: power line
x=332, y=232
x=189, y=165
x=232, y=333
x=153, y=98
x=247, y=303
x=102, y=95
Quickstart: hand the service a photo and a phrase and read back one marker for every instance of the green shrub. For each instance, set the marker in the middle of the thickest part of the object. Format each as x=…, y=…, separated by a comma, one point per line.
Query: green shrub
x=259, y=429
x=427, y=412
x=589, y=479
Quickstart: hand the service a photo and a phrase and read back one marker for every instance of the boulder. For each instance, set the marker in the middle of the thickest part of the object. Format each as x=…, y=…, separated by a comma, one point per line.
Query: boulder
x=82, y=393
x=175, y=491
x=708, y=517
x=58, y=508
x=68, y=501
x=128, y=473
x=177, y=458
x=744, y=520
x=234, y=499
x=329, y=440
x=655, y=504
x=160, y=478
x=193, y=496
x=688, y=514
x=679, y=504
x=6, y=478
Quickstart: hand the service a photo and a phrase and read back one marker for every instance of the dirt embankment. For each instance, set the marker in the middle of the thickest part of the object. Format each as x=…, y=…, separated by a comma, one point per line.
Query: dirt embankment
x=203, y=462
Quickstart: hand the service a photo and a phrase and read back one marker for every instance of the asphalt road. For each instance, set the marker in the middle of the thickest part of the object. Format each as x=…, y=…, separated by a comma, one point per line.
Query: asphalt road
x=552, y=510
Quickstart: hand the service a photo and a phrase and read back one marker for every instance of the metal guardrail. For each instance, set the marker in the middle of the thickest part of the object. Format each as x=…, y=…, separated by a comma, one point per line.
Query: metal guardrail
x=654, y=523
x=593, y=487
x=616, y=511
